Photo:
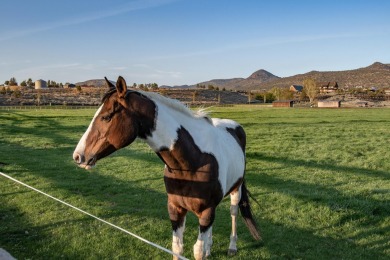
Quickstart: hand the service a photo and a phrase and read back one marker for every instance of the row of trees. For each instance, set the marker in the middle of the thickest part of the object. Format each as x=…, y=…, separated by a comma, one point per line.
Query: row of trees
x=209, y=87
x=11, y=82
x=310, y=92
x=30, y=83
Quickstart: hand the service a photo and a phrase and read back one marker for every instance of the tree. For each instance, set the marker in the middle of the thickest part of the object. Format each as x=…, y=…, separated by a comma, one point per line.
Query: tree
x=311, y=89
x=13, y=82
x=277, y=92
x=30, y=82
x=23, y=84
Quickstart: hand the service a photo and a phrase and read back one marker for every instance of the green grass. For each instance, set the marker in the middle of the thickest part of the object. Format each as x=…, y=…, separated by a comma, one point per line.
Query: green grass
x=321, y=177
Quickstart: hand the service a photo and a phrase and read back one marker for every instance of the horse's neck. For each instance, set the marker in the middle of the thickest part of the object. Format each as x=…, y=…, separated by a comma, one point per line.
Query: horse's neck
x=172, y=139
x=167, y=123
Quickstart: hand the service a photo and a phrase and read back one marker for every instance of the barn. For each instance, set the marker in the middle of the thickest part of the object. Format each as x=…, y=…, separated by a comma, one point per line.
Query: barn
x=283, y=103
x=329, y=103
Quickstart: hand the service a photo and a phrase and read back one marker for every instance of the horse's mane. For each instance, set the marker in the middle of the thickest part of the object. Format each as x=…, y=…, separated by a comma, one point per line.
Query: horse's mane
x=171, y=103
x=175, y=104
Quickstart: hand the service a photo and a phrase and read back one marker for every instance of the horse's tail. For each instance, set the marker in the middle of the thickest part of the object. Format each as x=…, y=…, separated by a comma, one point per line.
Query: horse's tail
x=246, y=212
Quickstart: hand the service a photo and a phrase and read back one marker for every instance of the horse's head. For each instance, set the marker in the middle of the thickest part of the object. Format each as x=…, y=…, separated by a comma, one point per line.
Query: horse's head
x=122, y=117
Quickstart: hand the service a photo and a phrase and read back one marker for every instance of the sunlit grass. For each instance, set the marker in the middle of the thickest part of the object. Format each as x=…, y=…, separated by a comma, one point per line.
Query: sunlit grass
x=321, y=177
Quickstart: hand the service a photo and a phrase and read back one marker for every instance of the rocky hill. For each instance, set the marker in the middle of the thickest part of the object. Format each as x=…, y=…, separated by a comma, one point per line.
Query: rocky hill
x=256, y=78
x=376, y=75
x=93, y=83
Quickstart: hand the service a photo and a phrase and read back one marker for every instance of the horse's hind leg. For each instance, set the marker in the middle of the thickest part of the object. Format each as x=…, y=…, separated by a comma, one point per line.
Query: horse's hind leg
x=234, y=200
x=178, y=221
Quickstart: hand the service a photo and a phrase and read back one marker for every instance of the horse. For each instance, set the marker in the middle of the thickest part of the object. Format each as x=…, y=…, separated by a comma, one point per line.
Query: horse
x=204, y=157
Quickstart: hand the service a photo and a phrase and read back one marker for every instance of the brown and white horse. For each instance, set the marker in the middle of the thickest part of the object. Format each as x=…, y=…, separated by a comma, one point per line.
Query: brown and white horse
x=204, y=157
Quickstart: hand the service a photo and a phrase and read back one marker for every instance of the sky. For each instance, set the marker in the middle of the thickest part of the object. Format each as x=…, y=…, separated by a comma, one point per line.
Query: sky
x=176, y=42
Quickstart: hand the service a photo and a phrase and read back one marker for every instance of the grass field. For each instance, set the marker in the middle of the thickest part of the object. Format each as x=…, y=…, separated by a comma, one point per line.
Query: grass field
x=321, y=177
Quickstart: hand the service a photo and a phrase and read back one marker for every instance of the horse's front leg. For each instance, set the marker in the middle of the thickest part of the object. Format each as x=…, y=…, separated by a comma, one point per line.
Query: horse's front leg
x=178, y=221
x=202, y=246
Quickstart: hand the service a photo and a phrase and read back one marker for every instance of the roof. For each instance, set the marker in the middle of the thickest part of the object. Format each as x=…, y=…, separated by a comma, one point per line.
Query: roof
x=297, y=87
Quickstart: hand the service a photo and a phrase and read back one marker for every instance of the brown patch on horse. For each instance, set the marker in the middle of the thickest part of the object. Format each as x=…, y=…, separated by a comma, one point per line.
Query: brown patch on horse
x=191, y=176
x=239, y=135
x=124, y=116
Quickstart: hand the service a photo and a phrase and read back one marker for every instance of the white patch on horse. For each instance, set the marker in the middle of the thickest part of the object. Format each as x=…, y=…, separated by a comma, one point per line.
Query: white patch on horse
x=211, y=138
x=178, y=239
x=80, y=148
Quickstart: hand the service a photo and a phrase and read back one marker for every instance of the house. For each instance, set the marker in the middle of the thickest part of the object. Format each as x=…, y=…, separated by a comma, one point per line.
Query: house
x=296, y=88
x=283, y=103
x=328, y=87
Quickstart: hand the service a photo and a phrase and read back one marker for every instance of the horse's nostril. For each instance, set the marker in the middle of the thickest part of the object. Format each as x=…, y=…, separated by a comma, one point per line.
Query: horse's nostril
x=78, y=158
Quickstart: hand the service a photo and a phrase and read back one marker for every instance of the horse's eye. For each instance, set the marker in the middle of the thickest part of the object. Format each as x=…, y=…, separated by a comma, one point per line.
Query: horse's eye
x=106, y=118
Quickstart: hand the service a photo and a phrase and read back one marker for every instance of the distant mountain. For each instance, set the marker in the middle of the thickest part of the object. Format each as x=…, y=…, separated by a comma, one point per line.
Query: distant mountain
x=94, y=83
x=221, y=83
x=375, y=75
x=253, y=80
x=262, y=75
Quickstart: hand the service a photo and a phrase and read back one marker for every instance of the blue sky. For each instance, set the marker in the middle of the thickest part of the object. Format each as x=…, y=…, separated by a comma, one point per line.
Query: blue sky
x=174, y=42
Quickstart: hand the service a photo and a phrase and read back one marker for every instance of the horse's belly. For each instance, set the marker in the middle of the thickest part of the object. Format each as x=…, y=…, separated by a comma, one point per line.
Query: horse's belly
x=193, y=194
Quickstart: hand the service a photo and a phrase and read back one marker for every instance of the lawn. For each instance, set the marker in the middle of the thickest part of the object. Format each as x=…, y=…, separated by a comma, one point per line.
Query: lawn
x=321, y=177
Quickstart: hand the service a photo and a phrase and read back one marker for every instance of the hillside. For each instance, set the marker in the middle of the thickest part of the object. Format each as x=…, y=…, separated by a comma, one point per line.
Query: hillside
x=256, y=78
x=375, y=75
x=93, y=83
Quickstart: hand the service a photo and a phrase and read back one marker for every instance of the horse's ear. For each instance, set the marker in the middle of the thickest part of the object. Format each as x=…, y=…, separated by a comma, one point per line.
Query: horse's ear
x=121, y=87
x=109, y=84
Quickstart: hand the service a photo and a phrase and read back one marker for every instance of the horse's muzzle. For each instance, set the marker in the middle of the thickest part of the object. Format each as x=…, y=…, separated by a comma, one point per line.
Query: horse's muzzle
x=81, y=161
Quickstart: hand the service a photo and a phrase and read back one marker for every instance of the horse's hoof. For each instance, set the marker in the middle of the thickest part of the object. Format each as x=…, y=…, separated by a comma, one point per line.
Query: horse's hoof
x=232, y=252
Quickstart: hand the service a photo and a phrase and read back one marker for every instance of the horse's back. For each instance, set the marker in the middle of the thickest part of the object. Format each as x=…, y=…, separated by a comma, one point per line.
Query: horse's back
x=234, y=129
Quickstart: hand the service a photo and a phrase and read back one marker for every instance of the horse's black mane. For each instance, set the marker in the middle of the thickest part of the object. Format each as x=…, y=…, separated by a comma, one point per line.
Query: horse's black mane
x=111, y=91
x=149, y=96
x=108, y=94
